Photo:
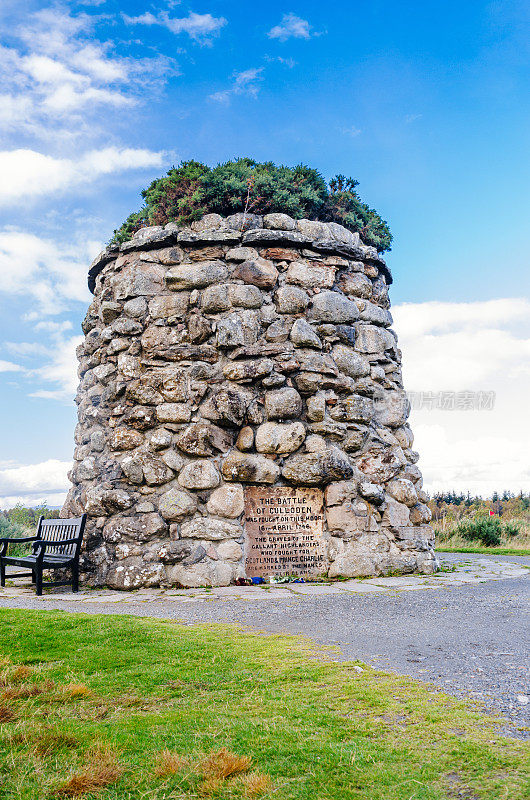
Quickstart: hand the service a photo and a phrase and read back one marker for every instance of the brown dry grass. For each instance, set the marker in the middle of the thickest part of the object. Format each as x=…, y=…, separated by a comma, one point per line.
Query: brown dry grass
x=27, y=690
x=254, y=784
x=19, y=673
x=169, y=763
x=100, y=770
x=6, y=714
x=76, y=691
x=48, y=741
x=210, y=786
x=43, y=741
x=223, y=764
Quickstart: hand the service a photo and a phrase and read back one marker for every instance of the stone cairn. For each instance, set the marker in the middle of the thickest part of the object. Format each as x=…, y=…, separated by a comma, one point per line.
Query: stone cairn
x=242, y=352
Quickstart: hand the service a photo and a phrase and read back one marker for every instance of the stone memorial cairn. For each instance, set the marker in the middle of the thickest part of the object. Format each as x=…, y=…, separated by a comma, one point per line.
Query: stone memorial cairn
x=242, y=352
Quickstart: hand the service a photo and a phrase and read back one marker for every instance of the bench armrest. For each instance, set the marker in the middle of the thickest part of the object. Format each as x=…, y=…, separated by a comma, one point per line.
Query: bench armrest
x=10, y=539
x=7, y=540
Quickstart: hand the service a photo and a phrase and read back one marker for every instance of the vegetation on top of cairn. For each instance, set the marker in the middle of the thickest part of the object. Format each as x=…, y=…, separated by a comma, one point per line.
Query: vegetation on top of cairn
x=191, y=190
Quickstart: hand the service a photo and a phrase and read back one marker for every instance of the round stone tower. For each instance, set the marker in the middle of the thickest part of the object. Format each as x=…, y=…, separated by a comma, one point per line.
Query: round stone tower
x=241, y=409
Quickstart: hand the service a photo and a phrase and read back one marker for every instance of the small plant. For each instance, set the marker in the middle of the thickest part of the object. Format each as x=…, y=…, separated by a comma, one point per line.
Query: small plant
x=254, y=784
x=223, y=764
x=169, y=763
x=101, y=769
x=19, y=673
x=446, y=568
x=48, y=741
x=75, y=691
x=24, y=691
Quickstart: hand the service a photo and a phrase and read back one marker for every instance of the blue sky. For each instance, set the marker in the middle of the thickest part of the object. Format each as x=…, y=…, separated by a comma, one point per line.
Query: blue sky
x=424, y=103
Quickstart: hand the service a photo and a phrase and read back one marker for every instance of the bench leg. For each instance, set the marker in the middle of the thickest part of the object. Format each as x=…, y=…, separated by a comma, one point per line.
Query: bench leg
x=33, y=576
x=38, y=581
x=2, y=573
x=75, y=578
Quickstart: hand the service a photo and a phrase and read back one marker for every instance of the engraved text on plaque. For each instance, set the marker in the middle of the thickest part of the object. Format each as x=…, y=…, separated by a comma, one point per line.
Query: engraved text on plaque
x=283, y=531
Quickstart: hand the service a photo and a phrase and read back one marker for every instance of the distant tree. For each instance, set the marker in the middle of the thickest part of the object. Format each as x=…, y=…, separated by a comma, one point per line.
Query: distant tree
x=28, y=517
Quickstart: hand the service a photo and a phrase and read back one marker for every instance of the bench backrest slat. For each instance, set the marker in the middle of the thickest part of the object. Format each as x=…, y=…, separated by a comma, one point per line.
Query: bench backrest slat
x=59, y=530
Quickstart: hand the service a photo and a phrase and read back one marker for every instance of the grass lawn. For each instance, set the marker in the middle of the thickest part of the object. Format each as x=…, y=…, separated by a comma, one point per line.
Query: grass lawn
x=117, y=707
x=490, y=551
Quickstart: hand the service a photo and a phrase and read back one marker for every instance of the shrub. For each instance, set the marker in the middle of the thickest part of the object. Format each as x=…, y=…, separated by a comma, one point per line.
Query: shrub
x=8, y=528
x=27, y=517
x=344, y=206
x=192, y=190
x=512, y=529
x=13, y=530
x=487, y=530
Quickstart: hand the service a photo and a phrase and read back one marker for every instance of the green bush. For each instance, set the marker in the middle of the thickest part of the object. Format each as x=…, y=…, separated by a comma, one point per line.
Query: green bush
x=28, y=517
x=12, y=530
x=512, y=529
x=8, y=528
x=487, y=530
x=192, y=190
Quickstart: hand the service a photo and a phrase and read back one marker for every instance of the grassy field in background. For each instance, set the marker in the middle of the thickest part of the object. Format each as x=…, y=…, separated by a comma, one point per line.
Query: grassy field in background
x=490, y=551
x=117, y=707
x=450, y=540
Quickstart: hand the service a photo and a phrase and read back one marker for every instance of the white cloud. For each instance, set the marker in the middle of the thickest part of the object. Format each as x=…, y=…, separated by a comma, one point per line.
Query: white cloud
x=479, y=346
x=60, y=371
x=13, y=110
x=32, y=484
x=59, y=69
x=463, y=345
x=246, y=82
x=55, y=353
x=8, y=366
x=287, y=62
x=352, y=131
x=28, y=174
x=50, y=273
x=200, y=27
x=50, y=362
x=453, y=456
x=291, y=26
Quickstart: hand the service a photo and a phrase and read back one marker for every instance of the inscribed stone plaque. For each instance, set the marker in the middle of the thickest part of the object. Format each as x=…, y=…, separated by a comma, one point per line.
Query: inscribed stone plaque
x=283, y=531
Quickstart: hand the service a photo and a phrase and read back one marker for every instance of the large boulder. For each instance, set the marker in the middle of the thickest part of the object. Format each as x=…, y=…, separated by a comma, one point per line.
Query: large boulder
x=174, y=505
x=200, y=474
x=334, y=308
x=249, y=468
x=272, y=437
x=196, y=275
x=317, y=469
x=284, y=403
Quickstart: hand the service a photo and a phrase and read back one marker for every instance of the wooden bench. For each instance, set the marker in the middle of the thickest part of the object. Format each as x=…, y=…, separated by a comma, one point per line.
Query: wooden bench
x=56, y=546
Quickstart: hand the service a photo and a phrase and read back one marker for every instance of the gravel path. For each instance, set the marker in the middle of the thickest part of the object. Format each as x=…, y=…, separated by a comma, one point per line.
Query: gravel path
x=471, y=639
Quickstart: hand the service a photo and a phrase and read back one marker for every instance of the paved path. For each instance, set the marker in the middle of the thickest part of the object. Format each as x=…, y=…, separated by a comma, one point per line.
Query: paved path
x=465, y=630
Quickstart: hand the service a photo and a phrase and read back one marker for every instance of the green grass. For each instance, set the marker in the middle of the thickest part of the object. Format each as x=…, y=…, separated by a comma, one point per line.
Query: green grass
x=115, y=692
x=499, y=551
